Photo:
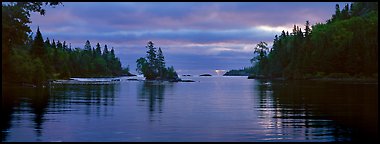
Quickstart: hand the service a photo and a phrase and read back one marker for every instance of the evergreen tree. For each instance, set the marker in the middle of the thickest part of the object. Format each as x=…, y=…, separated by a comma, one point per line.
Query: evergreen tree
x=152, y=57
x=105, y=51
x=112, y=53
x=337, y=13
x=98, y=50
x=105, y=54
x=38, y=49
x=153, y=65
x=142, y=66
x=307, y=29
x=261, y=49
x=347, y=45
x=47, y=43
x=64, y=45
x=87, y=46
x=53, y=45
x=160, y=62
x=59, y=45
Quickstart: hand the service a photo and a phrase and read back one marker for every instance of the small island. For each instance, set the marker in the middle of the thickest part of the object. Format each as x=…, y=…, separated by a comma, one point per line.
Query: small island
x=153, y=66
x=205, y=75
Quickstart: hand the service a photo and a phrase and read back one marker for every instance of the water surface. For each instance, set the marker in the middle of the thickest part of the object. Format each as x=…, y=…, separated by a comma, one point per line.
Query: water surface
x=210, y=109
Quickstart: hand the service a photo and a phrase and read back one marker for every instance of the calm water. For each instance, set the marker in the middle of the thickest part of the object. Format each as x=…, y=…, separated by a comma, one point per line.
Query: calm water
x=211, y=109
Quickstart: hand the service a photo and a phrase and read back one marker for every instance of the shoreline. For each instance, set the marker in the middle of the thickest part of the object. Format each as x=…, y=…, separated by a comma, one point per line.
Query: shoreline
x=324, y=79
x=71, y=81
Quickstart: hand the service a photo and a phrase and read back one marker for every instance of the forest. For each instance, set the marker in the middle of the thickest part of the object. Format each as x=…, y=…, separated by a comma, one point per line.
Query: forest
x=345, y=46
x=28, y=59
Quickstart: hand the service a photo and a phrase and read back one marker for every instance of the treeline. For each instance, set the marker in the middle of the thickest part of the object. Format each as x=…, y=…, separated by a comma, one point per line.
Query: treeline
x=246, y=71
x=346, y=46
x=40, y=60
x=32, y=60
x=153, y=65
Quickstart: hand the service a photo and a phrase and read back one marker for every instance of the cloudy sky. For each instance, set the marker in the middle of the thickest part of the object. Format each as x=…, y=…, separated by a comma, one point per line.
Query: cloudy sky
x=195, y=37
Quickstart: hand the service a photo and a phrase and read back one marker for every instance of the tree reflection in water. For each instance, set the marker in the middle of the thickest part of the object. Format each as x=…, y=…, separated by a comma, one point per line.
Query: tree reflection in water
x=153, y=93
x=14, y=100
x=57, y=99
x=318, y=109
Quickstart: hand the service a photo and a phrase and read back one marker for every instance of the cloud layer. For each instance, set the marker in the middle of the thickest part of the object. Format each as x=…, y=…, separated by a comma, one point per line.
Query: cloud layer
x=193, y=36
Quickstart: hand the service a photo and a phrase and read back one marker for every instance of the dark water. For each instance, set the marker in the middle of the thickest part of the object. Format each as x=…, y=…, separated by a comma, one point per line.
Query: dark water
x=211, y=109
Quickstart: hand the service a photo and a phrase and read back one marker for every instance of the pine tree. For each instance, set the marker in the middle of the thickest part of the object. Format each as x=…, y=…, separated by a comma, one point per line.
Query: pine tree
x=152, y=57
x=307, y=30
x=337, y=13
x=160, y=62
x=87, y=46
x=53, y=45
x=112, y=53
x=105, y=52
x=153, y=65
x=47, y=43
x=38, y=49
x=98, y=50
x=295, y=30
x=64, y=45
x=59, y=45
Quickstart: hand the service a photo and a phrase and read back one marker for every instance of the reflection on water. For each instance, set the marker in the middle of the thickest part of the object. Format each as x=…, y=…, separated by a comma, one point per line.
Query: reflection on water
x=28, y=100
x=92, y=97
x=319, y=110
x=152, y=94
x=211, y=109
x=23, y=103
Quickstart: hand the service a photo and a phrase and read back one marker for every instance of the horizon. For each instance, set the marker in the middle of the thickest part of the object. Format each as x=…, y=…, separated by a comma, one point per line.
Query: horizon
x=196, y=38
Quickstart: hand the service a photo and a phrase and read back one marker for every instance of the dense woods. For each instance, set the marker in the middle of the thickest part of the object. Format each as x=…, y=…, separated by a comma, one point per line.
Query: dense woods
x=345, y=46
x=31, y=59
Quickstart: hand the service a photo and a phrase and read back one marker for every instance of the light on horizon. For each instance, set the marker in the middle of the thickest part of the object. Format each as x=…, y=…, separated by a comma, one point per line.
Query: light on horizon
x=219, y=72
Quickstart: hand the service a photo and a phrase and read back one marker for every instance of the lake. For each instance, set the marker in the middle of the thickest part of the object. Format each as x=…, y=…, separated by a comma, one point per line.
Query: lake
x=210, y=109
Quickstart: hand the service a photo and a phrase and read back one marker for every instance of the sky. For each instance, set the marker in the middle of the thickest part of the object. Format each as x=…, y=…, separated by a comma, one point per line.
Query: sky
x=195, y=37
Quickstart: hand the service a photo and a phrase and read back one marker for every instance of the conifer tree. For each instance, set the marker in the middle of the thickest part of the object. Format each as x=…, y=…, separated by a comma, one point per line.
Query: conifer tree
x=38, y=49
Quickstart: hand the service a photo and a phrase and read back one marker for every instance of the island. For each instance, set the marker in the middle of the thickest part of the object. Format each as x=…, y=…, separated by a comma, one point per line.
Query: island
x=246, y=71
x=205, y=75
x=153, y=66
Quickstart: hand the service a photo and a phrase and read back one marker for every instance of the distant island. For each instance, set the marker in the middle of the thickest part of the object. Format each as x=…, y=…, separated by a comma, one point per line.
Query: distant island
x=205, y=75
x=240, y=72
